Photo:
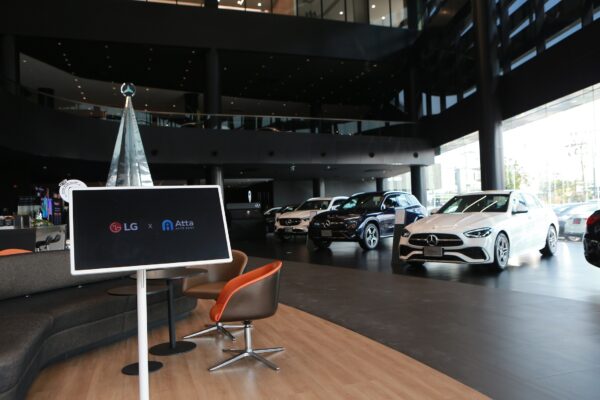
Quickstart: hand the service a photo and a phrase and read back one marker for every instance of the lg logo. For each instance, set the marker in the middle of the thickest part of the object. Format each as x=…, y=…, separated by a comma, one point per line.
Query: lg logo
x=117, y=227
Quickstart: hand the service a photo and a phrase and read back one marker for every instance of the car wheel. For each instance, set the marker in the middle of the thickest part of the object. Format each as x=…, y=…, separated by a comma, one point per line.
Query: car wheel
x=322, y=244
x=416, y=264
x=283, y=237
x=370, y=238
x=501, y=251
x=551, y=243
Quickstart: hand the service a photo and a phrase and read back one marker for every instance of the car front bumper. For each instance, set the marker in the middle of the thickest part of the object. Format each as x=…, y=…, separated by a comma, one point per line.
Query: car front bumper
x=471, y=251
x=299, y=229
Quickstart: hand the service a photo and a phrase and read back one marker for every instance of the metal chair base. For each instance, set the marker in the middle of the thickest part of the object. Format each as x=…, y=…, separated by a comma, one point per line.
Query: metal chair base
x=248, y=351
x=218, y=327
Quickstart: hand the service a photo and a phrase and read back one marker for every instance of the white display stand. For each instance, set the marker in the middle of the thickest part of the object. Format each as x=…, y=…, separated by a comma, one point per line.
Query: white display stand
x=144, y=387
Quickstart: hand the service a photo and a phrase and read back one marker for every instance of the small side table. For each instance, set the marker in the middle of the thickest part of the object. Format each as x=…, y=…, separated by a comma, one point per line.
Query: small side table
x=131, y=290
x=170, y=275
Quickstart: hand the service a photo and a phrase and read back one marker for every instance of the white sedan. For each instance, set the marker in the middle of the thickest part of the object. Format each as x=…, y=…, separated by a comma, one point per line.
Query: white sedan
x=296, y=222
x=481, y=228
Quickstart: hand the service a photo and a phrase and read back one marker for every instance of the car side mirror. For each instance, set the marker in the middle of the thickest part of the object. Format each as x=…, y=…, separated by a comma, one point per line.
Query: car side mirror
x=520, y=209
x=434, y=211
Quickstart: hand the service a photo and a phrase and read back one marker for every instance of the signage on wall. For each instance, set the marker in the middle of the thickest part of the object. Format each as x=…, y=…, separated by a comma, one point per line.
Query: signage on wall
x=132, y=228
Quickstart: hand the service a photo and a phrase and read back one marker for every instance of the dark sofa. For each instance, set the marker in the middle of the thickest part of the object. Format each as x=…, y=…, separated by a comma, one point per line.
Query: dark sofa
x=47, y=315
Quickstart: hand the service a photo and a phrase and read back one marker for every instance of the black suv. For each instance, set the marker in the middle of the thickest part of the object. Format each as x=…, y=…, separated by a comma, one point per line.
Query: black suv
x=591, y=239
x=364, y=218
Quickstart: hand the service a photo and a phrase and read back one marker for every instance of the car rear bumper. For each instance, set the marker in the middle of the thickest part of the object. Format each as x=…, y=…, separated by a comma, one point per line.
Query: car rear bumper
x=591, y=250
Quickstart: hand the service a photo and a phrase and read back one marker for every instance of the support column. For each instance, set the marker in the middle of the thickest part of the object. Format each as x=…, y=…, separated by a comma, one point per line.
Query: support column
x=490, y=136
x=417, y=183
x=10, y=76
x=316, y=112
x=215, y=176
x=318, y=187
x=212, y=87
x=379, y=184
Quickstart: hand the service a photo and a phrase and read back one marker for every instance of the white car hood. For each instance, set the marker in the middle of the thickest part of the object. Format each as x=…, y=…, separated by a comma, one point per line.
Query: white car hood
x=450, y=222
x=298, y=214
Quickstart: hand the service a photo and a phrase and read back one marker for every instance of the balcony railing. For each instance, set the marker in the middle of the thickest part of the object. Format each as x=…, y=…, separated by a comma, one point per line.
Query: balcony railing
x=389, y=13
x=266, y=123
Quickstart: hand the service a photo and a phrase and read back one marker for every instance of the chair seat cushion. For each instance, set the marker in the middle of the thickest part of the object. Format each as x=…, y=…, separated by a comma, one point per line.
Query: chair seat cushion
x=206, y=290
x=20, y=339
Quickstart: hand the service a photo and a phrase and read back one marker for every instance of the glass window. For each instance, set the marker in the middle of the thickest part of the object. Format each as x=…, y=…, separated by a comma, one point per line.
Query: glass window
x=362, y=201
x=334, y=9
x=399, y=13
x=531, y=201
x=403, y=201
x=258, y=6
x=379, y=12
x=476, y=203
x=309, y=8
x=284, y=7
x=314, y=205
x=338, y=202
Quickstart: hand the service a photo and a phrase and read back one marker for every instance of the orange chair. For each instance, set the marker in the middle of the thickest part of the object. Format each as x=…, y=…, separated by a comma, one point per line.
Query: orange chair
x=11, y=252
x=208, y=286
x=251, y=296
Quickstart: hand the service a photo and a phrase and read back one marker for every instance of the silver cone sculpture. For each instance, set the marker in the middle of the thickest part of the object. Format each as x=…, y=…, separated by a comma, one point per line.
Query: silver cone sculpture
x=129, y=166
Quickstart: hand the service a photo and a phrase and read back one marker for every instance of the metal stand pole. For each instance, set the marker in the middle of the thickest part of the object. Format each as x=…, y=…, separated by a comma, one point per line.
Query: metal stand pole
x=142, y=317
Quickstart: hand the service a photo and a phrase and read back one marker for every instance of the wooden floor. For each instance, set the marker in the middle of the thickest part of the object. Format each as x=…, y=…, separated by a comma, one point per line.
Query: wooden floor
x=321, y=361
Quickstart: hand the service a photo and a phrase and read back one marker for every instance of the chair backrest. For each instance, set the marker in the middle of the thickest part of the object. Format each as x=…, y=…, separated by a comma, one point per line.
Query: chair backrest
x=219, y=272
x=11, y=252
x=250, y=296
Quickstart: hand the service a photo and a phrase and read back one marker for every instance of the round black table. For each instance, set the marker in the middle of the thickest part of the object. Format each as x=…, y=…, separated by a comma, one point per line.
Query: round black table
x=131, y=290
x=170, y=275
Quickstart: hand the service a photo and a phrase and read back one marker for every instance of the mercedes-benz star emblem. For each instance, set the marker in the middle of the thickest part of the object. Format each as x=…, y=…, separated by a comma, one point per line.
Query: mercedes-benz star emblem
x=128, y=89
x=432, y=240
x=326, y=223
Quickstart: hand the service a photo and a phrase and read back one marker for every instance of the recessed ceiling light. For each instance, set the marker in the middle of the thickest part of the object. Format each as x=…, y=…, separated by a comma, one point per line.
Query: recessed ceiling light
x=372, y=5
x=173, y=105
x=341, y=13
x=78, y=86
x=383, y=17
x=260, y=4
x=147, y=89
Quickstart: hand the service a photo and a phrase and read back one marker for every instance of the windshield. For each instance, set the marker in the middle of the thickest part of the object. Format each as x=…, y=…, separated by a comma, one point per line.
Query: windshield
x=366, y=201
x=476, y=203
x=314, y=205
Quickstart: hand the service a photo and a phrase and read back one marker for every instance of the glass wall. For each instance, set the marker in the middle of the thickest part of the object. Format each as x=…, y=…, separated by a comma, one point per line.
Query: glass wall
x=390, y=13
x=552, y=150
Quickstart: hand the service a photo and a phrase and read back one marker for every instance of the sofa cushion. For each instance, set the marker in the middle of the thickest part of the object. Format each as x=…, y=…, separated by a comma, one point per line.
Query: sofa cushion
x=26, y=274
x=20, y=340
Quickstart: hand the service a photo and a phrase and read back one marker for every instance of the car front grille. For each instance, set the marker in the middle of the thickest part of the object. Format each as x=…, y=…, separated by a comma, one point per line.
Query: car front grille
x=444, y=239
x=289, y=221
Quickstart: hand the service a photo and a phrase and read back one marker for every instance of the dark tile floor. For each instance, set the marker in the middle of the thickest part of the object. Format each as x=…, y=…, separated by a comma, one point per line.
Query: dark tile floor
x=529, y=332
x=567, y=275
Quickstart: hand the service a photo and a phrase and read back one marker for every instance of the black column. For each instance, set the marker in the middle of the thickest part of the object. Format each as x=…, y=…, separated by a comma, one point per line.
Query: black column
x=379, y=184
x=215, y=175
x=212, y=87
x=490, y=137
x=318, y=187
x=211, y=4
x=417, y=183
x=316, y=112
x=10, y=76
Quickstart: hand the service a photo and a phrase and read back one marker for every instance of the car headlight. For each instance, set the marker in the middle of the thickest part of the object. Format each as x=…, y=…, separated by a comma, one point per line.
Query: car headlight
x=478, y=233
x=405, y=233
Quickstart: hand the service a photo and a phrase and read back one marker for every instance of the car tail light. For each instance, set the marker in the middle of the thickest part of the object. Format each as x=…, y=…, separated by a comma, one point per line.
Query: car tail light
x=595, y=217
x=576, y=221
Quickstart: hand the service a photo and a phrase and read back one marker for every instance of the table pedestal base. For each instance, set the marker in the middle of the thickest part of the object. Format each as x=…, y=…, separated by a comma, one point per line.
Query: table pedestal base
x=165, y=349
x=134, y=369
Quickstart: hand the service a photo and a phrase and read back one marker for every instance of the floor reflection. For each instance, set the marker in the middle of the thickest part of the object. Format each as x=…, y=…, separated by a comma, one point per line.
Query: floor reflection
x=567, y=275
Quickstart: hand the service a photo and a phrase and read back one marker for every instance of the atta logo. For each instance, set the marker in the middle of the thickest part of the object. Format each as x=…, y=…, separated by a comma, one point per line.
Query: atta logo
x=115, y=227
x=167, y=225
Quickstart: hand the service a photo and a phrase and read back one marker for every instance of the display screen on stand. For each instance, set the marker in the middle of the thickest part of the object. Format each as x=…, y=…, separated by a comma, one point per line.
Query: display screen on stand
x=122, y=228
